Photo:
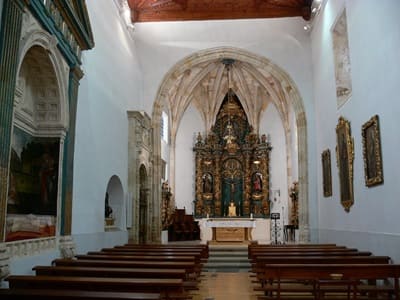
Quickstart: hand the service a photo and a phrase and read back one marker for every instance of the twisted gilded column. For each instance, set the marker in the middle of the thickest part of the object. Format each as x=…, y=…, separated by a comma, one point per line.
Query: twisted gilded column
x=11, y=23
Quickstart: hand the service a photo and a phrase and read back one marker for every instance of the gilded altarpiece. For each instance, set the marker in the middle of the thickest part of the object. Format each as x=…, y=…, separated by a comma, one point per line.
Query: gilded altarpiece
x=232, y=166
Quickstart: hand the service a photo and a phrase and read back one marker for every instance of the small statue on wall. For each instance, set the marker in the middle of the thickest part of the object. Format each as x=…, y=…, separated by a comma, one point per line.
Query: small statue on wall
x=294, y=194
x=166, y=213
x=107, y=210
x=257, y=182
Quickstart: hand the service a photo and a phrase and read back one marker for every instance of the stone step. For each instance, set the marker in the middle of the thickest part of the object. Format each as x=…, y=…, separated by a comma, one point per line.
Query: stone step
x=228, y=253
x=226, y=267
x=227, y=258
x=228, y=248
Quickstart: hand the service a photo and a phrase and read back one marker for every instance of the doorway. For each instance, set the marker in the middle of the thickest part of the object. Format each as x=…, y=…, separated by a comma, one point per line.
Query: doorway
x=143, y=205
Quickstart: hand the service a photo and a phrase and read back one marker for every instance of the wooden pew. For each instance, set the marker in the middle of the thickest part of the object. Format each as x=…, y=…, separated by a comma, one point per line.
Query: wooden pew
x=255, y=245
x=354, y=278
x=189, y=267
x=109, y=272
x=50, y=294
x=201, y=246
x=153, y=247
x=151, y=252
x=259, y=267
x=183, y=256
x=326, y=253
x=168, y=288
x=117, y=273
x=108, y=256
x=260, y=247
x=298, y=249
x=142, y=259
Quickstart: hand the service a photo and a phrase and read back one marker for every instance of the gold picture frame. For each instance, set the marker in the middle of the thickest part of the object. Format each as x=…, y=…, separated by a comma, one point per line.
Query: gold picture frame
x=372, y=152
x=326, y=173
x=345, y=159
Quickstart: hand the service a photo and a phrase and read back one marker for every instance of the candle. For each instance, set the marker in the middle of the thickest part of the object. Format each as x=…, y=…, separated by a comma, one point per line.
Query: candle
x=251, y=216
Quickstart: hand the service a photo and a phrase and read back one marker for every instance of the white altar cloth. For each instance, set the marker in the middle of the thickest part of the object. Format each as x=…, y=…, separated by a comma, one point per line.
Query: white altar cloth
x=249, y=223
x=260, y=228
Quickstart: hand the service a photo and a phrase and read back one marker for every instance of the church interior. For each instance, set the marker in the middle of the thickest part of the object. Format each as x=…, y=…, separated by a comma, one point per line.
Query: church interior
x=187, y=123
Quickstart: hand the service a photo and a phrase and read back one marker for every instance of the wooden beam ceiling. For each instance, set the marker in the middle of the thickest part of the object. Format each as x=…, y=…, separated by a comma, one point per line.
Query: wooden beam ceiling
x=185, y=10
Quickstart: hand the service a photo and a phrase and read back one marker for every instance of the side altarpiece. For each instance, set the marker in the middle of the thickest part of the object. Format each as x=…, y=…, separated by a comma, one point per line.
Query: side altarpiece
x=232, y=166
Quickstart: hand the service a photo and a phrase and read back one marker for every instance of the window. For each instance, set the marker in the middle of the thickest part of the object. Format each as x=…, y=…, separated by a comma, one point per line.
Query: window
x=164, y=127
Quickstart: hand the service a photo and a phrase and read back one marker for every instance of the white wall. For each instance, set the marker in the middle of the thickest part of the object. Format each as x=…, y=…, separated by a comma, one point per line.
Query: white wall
x=191, y=124
x=271, y=124
x=374, y=40
x=110, y=87
x=283, y=41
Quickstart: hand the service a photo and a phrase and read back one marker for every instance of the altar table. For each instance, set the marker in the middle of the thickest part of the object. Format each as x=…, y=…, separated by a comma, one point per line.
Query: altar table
x=234, y=230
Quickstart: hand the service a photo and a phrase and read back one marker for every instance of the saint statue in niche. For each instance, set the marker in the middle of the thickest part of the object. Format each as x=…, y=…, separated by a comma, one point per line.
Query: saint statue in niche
x=107, y=210
x=207, y=183
x=257, y=182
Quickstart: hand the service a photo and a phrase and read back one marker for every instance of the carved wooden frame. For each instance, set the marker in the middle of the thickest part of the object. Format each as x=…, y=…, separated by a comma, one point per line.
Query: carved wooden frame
x=345, y=159
x=372, y=152
x=326, y=173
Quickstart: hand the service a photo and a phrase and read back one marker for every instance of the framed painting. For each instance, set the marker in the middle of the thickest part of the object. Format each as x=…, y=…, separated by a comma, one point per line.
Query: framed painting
x=372, y=152
x=326, y=173
x=345, y=158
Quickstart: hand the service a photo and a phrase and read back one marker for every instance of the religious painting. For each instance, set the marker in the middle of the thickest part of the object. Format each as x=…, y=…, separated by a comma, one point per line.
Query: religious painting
x=326, y=173
x=345, y=158
x=372, y=152
x=33, y=187
x=341, y=54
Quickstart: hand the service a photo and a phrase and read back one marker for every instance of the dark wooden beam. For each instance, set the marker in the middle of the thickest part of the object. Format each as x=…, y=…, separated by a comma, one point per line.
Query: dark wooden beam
x=184, y=10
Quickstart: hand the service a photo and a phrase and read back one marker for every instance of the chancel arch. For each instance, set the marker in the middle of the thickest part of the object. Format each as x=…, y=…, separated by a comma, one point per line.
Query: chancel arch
x=199, y=80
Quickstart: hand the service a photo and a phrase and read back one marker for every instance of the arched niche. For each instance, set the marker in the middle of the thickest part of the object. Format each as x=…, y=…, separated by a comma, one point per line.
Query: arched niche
x=115, y=194
x=39, y=127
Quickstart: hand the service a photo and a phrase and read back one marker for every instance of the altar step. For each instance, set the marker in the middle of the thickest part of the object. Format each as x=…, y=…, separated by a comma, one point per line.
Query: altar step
x=227, y=258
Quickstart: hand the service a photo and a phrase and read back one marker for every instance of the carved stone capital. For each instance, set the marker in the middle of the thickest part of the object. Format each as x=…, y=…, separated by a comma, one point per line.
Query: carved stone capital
x=67, y=247
x=4, y=262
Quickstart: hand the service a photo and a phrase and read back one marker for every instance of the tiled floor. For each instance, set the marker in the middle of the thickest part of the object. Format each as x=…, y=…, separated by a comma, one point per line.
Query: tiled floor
x=225, y=286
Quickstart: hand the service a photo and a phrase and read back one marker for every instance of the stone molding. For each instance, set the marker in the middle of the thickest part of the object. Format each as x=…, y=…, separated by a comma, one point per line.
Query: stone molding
x=30, y=247
x=4, y=262
x=32, y=34
x=67, y=246
x=139, y=154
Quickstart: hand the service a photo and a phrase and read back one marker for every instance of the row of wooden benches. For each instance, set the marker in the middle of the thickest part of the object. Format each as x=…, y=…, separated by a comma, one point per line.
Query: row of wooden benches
x=124, y=272
x=323, y=271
